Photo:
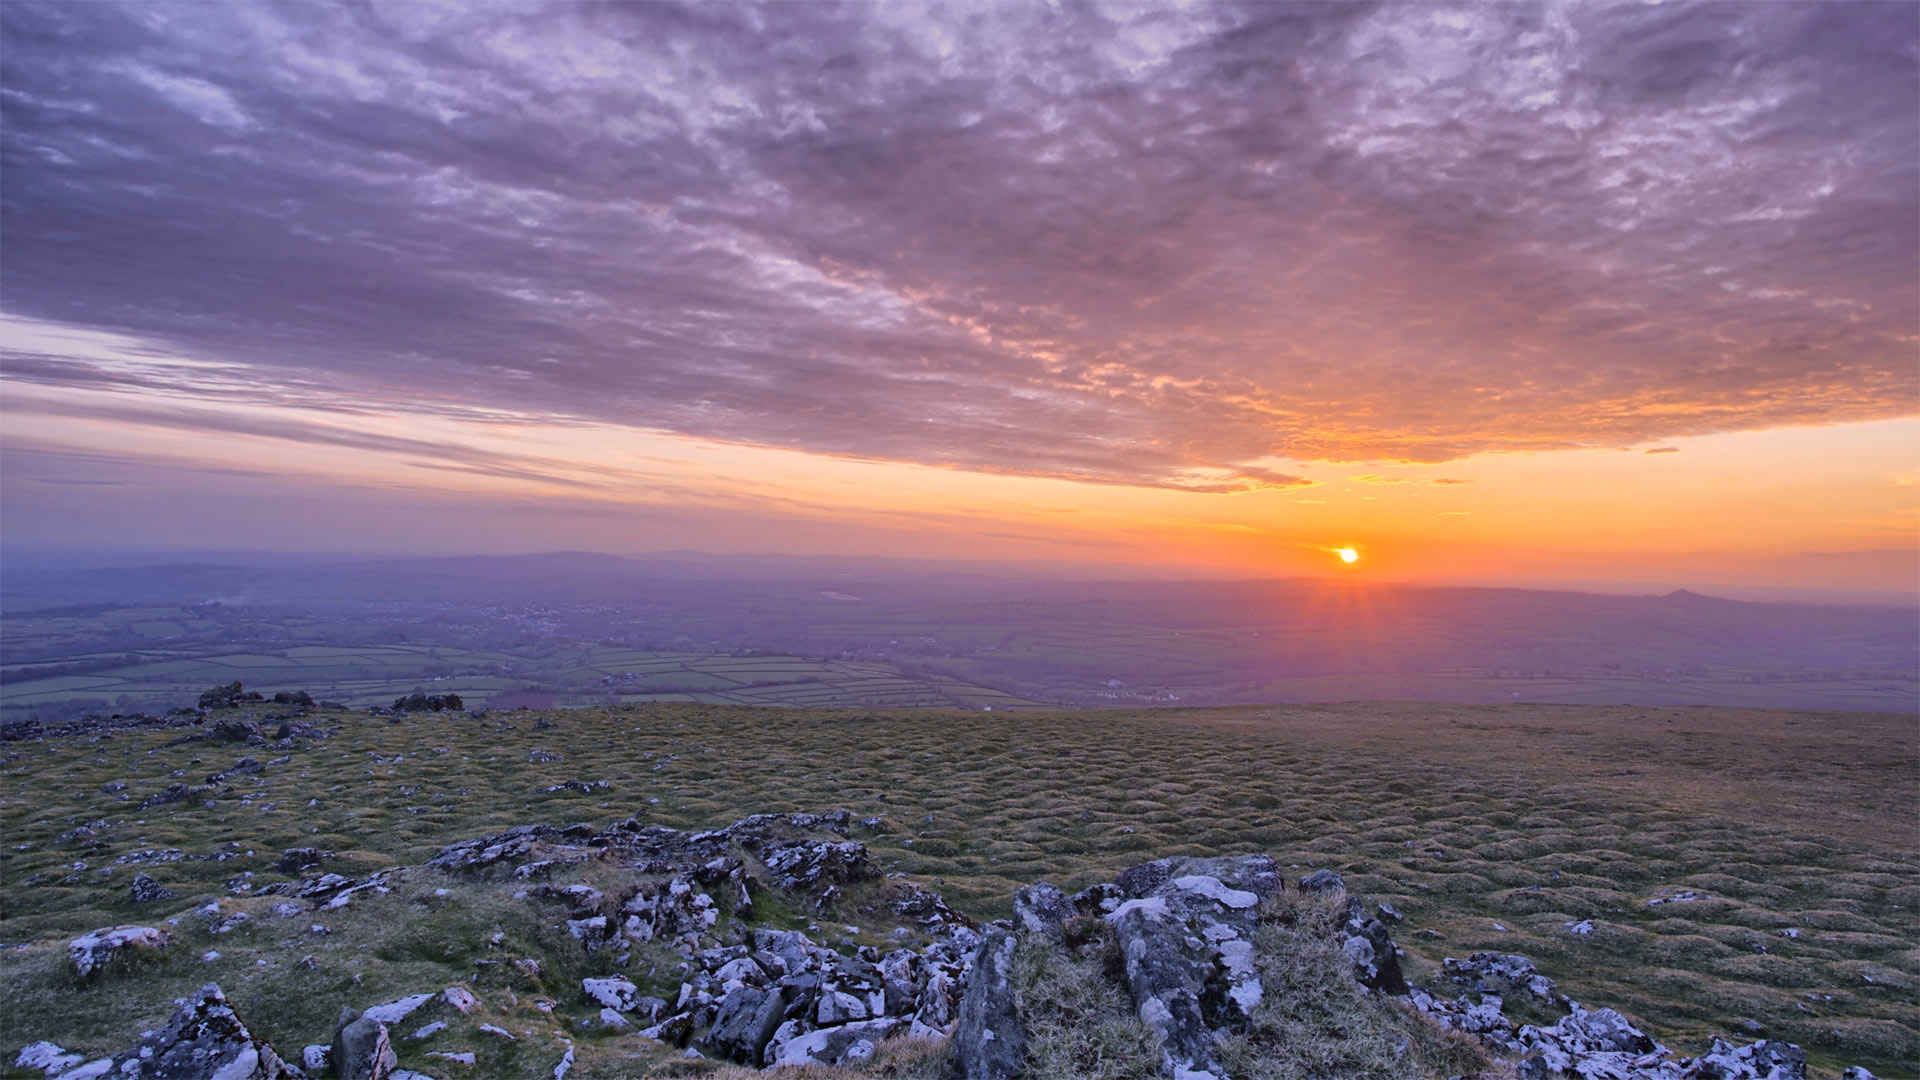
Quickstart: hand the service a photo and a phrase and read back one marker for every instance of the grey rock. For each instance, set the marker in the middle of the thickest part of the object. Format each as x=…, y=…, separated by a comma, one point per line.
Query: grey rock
x=362, y=1048
x=1322, y=881
x=1167, y=970
x=294, y=860
x=96, y=950
x=203, y=1039
x=843, y=1045
x=1042, y=909
x=49, y=1058
x=1764, y=1060
x=1376, y=964
x=145, y=890
x=989, y=1041
x=614, y=993
x=745, y=1022
x=392, y=1012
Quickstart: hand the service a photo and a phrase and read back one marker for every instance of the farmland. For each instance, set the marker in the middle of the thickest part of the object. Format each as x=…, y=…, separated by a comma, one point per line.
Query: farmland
x=579, y=630
x=155, y=678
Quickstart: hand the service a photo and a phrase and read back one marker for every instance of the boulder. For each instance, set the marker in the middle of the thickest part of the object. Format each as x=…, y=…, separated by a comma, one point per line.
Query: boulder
x=362, y=1048
x=745, y=1022
x=1322, y=881
x=95, y=951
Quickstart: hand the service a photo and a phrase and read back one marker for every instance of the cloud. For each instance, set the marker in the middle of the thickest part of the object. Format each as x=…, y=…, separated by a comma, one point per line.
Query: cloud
x=1450, y=480
x=1663, y=450
x=1121, y=248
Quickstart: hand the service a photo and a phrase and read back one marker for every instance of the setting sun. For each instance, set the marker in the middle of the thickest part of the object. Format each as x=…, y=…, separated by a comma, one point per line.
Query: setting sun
x=1347, y=555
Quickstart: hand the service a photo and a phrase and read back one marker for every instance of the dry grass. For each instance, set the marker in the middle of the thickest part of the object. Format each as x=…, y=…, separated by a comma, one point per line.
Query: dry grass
x=1467, y=818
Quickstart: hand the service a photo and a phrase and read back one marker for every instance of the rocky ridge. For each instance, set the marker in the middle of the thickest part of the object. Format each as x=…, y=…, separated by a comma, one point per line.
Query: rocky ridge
x=756, y=993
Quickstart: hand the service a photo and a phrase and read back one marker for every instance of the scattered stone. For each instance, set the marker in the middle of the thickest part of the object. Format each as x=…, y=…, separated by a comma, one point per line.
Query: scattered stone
x=1578, y=929
x=393, y=1012
x=463, y=1057
x=461, y=999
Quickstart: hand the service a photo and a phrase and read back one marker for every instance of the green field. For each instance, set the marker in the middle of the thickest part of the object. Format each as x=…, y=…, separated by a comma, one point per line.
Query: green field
x=576, y=675
x=1491, y=827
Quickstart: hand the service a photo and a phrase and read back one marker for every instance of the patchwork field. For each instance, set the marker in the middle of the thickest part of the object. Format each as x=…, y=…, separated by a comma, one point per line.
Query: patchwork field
x=1740, y=870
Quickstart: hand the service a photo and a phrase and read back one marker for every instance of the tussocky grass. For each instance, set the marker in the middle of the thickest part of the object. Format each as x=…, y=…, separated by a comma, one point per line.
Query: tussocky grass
x=1489, y=827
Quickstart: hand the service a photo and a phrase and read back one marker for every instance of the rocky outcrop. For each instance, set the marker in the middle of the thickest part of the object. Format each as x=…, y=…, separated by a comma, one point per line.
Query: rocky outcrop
x=1599, y=1043
x=1173, y=948
x=203, y=1039
x=1184, y=929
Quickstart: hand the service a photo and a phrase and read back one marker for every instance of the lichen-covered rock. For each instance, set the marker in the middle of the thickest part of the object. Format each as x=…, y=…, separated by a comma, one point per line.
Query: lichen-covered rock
x=1322, y=881
x=1185, y=930
x=1598, y=1044
x=145, y=890
x=847, y=1044
x=94, y=951
x=1167, y=969
x=990, y=1042
x=1041, y=909
x=362, y=1048
x=615, y=993
x=49, y=1058
x=1370, y=947
x=204, y=1039
x=747, y=1019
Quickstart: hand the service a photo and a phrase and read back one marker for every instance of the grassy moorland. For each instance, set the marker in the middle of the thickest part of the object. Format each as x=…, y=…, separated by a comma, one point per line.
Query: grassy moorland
x=1491, y=827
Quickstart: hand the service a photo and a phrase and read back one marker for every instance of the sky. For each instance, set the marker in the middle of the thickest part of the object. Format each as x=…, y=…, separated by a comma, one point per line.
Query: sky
x=1622, y=296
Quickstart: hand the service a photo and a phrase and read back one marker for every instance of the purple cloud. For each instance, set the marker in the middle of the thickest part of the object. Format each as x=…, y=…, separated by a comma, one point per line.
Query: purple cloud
x=1146, y=249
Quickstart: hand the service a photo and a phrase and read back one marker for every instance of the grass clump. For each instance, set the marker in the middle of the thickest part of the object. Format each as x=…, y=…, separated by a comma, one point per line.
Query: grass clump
x=1080, y=1021
x=1315, y=1021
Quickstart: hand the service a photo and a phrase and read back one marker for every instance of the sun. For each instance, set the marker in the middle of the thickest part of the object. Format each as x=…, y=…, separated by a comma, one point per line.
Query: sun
x=1347, y=555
